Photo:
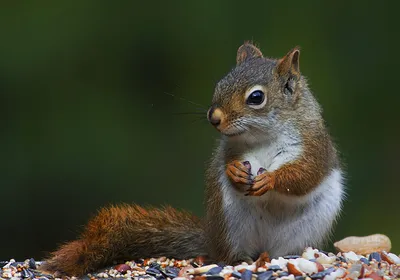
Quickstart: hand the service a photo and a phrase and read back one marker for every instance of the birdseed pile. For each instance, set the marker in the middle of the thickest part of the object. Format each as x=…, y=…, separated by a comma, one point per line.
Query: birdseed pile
x=312, y=264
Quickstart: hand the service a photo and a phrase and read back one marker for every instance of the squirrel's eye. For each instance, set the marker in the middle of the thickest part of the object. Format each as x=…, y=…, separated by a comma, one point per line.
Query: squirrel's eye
x=255, y=98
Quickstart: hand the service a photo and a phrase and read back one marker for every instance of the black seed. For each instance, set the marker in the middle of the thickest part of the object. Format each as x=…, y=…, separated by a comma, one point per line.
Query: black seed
x=283, y=273
x=168, y=272
x=15, y=264
x=155, y=265
x=214, y=277
x=26, y=273
x=261, y=171
x=247, y=274
x=318, y=275
x=214, y=270
x=329, y=270
x=154, y=272
x=172, y=271
x=236, y=274
x=292, y=257
x=274, y=267
x=375, y=256
x=247, y=165
x=300, y=278
x=32, y=263
x=322, y=274
x=365, y=260
x=265, y=275
x=342, y=259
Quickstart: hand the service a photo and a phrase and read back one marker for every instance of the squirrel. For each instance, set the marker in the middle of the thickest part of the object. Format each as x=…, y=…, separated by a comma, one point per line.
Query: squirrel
x=274, y=183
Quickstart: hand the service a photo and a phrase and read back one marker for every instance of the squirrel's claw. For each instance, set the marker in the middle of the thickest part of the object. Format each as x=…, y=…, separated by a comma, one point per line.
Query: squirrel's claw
x=263, y=182
x=239, y=173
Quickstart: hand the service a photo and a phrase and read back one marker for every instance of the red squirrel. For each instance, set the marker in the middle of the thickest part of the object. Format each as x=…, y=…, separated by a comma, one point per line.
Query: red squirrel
x=274, y=183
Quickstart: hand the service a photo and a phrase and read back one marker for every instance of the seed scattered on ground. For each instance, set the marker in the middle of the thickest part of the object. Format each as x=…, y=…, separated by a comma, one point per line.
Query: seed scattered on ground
x=312, y=264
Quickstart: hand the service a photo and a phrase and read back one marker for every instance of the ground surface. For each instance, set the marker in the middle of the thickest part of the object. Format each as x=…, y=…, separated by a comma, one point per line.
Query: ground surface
x=312, y=264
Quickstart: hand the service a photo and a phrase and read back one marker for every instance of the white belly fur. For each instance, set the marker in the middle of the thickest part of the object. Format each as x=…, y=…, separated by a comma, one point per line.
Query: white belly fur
x=275, y=223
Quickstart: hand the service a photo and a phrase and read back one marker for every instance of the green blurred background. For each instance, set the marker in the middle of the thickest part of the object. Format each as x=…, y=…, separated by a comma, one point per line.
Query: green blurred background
x=86, y=121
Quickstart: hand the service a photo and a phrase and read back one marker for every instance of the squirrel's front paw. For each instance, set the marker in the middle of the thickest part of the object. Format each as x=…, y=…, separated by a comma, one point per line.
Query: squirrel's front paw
x=240, y=174
x=263, y=182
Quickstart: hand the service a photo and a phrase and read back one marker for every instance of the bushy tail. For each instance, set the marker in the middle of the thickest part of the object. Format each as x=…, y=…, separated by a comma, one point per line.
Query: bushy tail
x=128, y=232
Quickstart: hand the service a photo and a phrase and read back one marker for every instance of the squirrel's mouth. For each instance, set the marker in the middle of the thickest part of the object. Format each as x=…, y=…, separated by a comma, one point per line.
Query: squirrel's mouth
x=232, y=132
x=232, y=129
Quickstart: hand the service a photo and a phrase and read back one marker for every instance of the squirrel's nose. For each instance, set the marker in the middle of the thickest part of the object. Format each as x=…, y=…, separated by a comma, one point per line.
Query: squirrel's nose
x=214, y=116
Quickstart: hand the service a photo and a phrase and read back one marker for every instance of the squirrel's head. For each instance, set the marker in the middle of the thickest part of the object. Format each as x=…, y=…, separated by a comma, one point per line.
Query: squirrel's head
x=257, y=93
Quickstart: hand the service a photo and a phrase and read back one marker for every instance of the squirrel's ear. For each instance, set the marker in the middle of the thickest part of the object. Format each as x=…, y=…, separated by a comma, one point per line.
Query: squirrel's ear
x=247, y=51
x=290, y=64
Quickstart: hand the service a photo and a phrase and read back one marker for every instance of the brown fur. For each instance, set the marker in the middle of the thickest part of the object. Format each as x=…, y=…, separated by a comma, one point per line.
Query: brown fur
x=288, y=95
x=129, y=232
x=303, y=175
x=289, y=64
x=247, y=51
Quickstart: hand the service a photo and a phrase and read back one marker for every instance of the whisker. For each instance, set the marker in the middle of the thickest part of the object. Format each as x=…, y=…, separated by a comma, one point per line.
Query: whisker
x=245, y=125
x=191, y=113
x=198, y=120
x=247, y=130
x=187, y=100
